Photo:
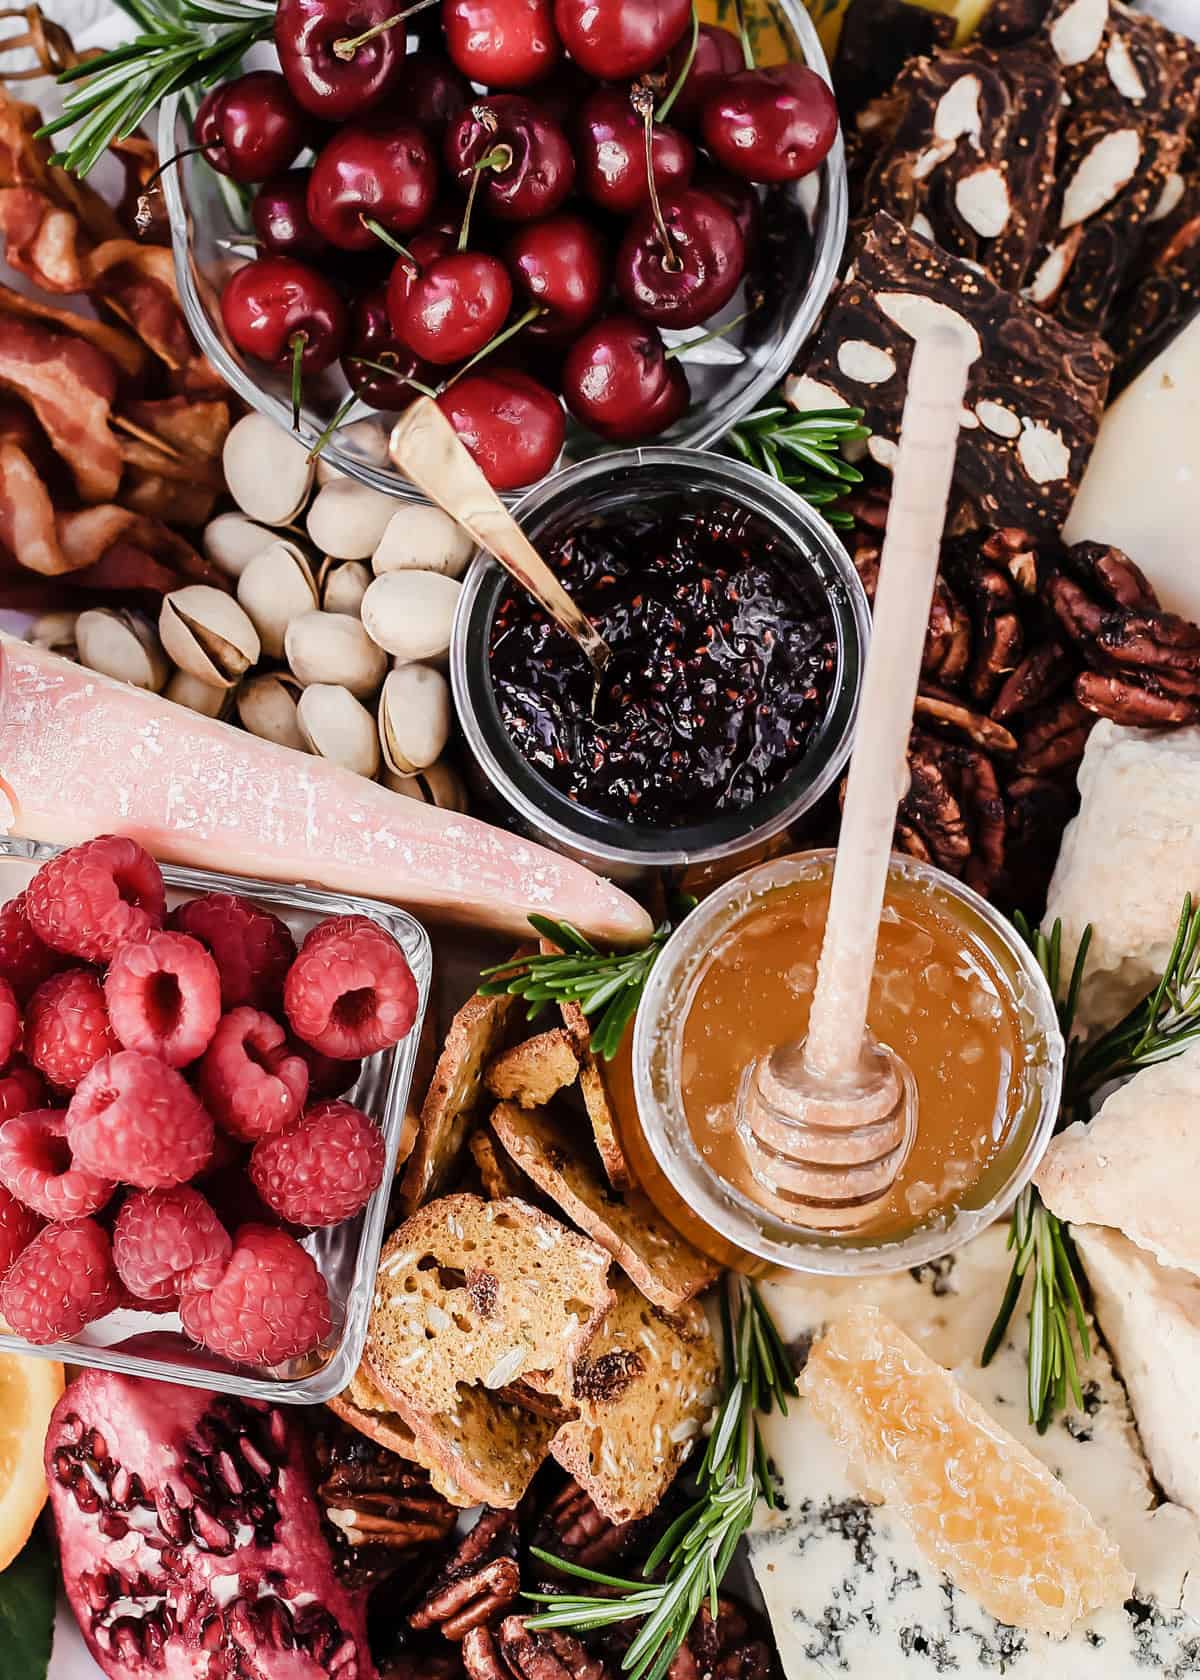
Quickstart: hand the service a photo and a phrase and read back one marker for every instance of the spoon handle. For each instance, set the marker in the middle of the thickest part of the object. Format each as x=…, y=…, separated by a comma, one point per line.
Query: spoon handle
x=427, y=449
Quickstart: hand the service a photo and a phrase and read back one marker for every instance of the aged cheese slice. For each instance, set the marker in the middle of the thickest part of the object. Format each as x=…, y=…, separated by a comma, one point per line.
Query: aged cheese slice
x=850, y=1594
x=1136, y=1164
x=1127, y=860
x=1150, y=1316
x=81, y=755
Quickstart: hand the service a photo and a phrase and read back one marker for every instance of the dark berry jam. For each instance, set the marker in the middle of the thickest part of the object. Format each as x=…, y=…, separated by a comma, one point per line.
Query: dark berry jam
x=724, y=655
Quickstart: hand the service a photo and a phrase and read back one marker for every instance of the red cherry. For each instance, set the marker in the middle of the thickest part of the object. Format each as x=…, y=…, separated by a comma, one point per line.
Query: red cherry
x=423, y=248
x=513, y=426
x=771, y=125
x=280, y=217
x=455, y=306
x=618, y=381
x=718, y=56
x=685, y=284
x=431, y=92
x=611, y=151
x=534, y=166
x=272, y=302
x=379, y=169
x=501, y=43
x=561, y=264
x=371, y=337
x=738, y=197
x=311, y=38
x=251, y=128
x=561, y=95
x=616, y=39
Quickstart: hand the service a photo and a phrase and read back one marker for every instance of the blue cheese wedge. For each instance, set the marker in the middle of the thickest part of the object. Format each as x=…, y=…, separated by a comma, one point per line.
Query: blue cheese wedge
x=847, y=1589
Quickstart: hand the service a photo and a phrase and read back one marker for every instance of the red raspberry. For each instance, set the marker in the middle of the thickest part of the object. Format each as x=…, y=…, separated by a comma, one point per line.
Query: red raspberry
x=37, y=1165
x=323, y=1168
x=18, y=1227
x=90, y=900
x=271, y=1303
x=162, y=1235
x=139, y=1119
x=350, y=991
x=21, y=1089
x=25, y=960
x=164, y=997
x=328, y=1076
x=249, y=1081
x=252, y=949
x=61, y=1282
x=10, y=1024
x=67, y=1029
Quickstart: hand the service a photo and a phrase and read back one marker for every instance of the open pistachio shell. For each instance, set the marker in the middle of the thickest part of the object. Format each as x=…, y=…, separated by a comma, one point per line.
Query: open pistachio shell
x=208, y=634
x=414, y=718
x=343, y=583
x=56, y=631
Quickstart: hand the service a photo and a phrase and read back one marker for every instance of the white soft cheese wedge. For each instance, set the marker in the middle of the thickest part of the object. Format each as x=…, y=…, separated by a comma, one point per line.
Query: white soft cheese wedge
x=1136, y=1164
x=1126, y=862
x=848, y=1591
x=1150, y=1316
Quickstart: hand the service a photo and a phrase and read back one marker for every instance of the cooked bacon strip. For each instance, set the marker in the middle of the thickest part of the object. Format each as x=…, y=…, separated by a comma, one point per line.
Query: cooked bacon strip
x=120, y=346
x=25, y=162
x=43, y=241
x=167, y=498
x=27, y=527
x=70, y=385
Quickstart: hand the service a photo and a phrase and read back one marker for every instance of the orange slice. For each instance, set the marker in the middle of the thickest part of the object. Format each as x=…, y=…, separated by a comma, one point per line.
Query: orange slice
x=979, y=1505
x=29, y=1391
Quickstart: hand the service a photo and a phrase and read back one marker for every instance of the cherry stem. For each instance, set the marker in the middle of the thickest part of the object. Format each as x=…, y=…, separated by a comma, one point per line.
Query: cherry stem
x=380, y=232
x=404, y=378
x=298, y=343
x=743, y=29
x=332, y=426
x=346, y=48
x=143, y=213
x=500, y=157
x=643, y=103
x=531, y=314
x=664, y=110
x=706, y=338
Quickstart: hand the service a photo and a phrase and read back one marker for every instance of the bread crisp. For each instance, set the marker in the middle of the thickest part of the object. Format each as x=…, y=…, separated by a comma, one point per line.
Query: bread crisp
x=364, y=1407
x=596, y=1100
x=498, y=1172
x=485, y=1452
x=476, y=1033
x=533, y=1072
x=644, y=1389
x=666, y=1269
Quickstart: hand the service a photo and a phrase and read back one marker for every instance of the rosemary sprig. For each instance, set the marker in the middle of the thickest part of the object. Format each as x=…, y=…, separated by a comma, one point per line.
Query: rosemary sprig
x=180, y=43
x=606, y=982
x=802, y=451
x=1165, y=1022
x=693, y=1555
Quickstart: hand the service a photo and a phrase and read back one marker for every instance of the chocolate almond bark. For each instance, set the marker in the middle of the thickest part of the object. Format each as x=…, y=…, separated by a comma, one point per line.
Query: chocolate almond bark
x=878, y=38
x=1034, y=395
x=969, y=163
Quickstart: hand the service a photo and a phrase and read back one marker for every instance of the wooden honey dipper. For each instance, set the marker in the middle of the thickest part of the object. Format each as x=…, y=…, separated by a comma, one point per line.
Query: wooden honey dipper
x=826, y=1123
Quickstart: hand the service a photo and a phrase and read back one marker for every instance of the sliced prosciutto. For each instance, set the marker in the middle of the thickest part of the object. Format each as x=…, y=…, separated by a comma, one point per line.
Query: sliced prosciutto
x=81, y=755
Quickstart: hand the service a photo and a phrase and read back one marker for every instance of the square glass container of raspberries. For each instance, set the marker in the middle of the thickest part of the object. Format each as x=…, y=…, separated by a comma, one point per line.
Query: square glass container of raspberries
x=198, y=1130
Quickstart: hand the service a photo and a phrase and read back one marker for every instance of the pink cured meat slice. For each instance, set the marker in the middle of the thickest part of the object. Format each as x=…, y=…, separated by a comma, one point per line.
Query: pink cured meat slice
x=82, y=755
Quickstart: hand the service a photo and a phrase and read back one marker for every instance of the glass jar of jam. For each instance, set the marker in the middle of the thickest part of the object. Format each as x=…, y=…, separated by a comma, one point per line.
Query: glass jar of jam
x=738, y=627
x=957, y=997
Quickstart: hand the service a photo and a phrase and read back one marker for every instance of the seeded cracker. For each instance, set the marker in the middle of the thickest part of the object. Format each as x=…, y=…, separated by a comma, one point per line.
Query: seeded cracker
x=596, y=1099
x=666, y=1269
x=500, y=1176
x=533, y=1072
x=644, y=1388
x=365, y=1408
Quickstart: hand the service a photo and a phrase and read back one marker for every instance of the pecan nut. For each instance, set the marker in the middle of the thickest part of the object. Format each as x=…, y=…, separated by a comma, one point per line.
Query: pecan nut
x=382, y=1510
x=480, y=1580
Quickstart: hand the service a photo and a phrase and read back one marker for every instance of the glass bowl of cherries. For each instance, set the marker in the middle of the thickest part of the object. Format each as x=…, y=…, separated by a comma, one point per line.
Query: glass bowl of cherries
x=577, y=224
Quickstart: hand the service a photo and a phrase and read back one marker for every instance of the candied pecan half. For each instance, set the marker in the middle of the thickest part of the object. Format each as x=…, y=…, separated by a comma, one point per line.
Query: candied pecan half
x=480, y=1579
x=933, y=706
x=1015, y=550
x=999, y=638
x=1044, y=672
x=548, y=1654
x=724, y=1648
x=1055, y=737
x=384, y=1512
x=572, y=1528
x=1135, y=704
x=953, y=812
x=948, y=639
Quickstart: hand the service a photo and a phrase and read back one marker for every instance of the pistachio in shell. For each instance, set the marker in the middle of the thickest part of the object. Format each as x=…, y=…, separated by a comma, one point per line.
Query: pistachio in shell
x=420, y=538
x=55, y=631
x=338, y=727
x=329, y=647
x=347, y=519
x=438, y=784
x=209, y=701
x=410, y=614
x=121, y=644
x=366, y=440
x=267, y=707
x=276, y=587
x=208, y=634
x=267, y=470
x=231, y=541
x=343, y=583
x=414, y=718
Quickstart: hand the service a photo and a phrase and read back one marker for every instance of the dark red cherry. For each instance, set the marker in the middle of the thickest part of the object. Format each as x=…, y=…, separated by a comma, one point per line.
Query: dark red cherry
x=501, y=43
x=561, y=264
x=333, y=82
x=453, y=307
x=618, y=381
x=272, y=302
x=699, y=273
x=251, y=128
x=431, y=92
x=739, y=198
x=616, y=39
x=372, y=339
x=561, y=94
x=382, y=170
x=513, y=426
x=533, y=167
x=771, y=125
x=718, y=56
x=611, y=153
x=280, y=217
x=423, y=248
